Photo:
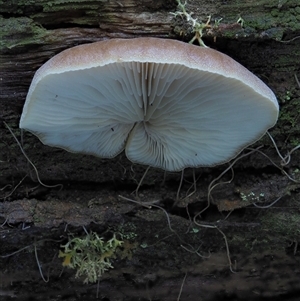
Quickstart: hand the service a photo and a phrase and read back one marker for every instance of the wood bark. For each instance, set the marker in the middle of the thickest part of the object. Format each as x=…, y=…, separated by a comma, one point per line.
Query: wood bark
x=261, y=35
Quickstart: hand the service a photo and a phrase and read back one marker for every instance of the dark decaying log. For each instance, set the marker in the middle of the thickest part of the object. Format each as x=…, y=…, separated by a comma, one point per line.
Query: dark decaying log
x=261, y=35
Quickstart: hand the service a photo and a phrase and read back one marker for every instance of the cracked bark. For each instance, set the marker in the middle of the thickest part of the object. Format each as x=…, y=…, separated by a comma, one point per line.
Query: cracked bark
x=267, y=44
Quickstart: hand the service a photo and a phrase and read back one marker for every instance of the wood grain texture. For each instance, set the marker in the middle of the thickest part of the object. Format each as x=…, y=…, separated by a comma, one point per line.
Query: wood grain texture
x=263, y=250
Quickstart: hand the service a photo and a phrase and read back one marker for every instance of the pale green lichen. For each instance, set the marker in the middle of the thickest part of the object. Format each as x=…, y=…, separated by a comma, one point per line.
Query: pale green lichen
x=127, y=231
x=197, y=27
x=252, y=197
x=90, y=256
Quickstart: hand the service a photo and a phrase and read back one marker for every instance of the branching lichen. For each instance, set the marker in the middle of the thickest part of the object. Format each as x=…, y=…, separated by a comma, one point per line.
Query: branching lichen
x=90, y=255
x=197, y=27
x=252, y=197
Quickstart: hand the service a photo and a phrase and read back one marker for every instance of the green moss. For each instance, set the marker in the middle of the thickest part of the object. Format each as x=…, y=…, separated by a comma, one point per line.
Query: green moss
x=276, y=20
x=290, y=110
x=294, y=141
x=289, y=118
x=20, y=31
x=71, y=5
x=285, y=224
x=80, y=12
x=270, y=23
x=250, y=241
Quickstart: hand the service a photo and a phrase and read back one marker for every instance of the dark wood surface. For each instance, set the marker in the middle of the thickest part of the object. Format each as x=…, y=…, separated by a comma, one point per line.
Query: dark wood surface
x=262, y=242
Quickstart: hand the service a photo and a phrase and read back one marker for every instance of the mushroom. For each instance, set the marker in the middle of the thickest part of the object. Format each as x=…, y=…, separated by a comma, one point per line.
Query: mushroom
x=169, y=104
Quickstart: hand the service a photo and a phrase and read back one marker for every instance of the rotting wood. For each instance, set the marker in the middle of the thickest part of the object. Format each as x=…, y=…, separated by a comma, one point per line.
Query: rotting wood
x=267, y=43
x=33, y=31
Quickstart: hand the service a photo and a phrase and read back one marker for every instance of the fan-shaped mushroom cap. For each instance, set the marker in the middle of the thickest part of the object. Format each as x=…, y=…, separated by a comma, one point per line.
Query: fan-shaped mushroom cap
x=168, y=104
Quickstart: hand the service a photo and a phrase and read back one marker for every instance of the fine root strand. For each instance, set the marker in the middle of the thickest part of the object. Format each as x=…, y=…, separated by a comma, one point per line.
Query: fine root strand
x=181, y=287
x=30, y=162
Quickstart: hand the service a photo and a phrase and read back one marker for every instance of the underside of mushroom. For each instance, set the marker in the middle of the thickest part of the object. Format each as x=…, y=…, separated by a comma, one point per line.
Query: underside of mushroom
x=166, y=115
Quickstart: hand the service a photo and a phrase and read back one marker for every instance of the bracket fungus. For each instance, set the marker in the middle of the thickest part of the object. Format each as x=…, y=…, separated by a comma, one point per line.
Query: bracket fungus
x=168, y=104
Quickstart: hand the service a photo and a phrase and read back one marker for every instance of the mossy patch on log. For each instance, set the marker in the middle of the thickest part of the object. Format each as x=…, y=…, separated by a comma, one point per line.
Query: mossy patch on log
x=20, y=31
